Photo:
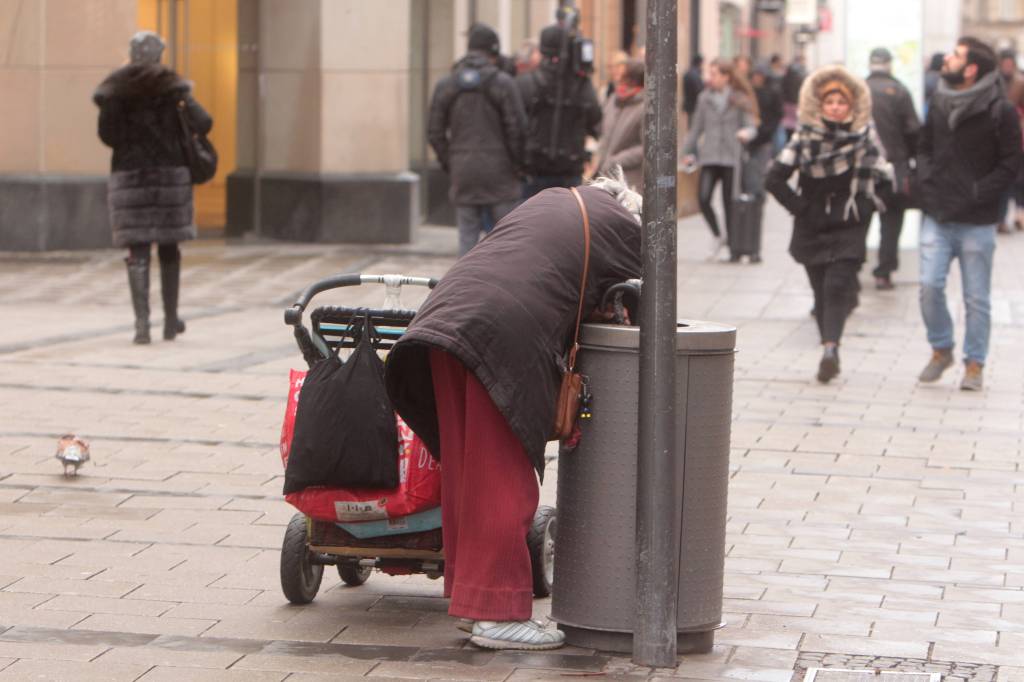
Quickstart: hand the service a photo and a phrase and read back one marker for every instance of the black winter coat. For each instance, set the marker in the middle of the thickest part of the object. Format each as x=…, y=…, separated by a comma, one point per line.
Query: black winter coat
x=821, y=234
x=477, y=127
x=965, y=168
x=769, y=104
x=580, y=116
x=506, y=310
x=150, y=188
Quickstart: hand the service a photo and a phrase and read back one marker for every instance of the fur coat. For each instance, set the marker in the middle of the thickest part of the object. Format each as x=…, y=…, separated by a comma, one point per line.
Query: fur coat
x=150, y=190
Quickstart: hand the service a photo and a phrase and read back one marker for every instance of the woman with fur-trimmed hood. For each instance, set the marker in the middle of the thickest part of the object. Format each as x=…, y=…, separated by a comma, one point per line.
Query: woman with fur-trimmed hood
x=150, y=189
x=843, y=177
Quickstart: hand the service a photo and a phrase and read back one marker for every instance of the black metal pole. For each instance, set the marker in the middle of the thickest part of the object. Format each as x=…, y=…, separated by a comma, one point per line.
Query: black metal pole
x=654, y=634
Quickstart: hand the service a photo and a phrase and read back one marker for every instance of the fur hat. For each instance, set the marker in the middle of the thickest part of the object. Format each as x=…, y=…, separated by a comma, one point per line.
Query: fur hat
x=482, y=37
x=834, y=78
x=835, y=85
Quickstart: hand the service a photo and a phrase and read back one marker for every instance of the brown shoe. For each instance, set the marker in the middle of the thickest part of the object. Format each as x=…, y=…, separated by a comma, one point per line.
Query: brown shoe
x=972, y=380
x=942, y=359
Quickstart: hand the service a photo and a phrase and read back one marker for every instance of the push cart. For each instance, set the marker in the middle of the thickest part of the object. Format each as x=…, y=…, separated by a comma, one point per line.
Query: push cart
x=310, y=544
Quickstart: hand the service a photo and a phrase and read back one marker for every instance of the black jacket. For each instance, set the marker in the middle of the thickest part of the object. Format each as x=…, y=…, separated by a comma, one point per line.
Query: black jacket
x=507, y=308
x=968, y=158
x=892, y=110
x=693, y=83
x=476, y=127
x=580, y=116
x=821, y=232
x=769, y=104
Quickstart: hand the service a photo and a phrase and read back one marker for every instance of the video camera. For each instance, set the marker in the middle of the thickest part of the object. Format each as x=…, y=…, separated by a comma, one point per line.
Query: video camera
x=578, y=50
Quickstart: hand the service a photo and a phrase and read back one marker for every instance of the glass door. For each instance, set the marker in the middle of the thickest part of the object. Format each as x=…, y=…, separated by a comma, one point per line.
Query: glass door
x=202, y=46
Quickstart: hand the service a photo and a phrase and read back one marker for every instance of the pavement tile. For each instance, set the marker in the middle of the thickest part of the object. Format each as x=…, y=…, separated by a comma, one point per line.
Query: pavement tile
x=112, y=622
x=79, y=671
x=865, y=645
x=67, y=586
x=178, y=674
x=160, y=656
x=324, y=664
x=445, y=671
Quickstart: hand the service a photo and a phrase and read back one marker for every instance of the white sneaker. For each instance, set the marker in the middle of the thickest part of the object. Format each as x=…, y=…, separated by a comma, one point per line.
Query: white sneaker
x=523, y=635
x=717, y=244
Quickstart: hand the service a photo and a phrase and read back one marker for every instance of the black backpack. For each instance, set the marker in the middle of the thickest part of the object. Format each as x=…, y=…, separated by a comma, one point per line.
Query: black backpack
x=568, y=154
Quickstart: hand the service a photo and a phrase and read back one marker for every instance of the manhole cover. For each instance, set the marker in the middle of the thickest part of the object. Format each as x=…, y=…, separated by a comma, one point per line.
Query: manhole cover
x=840, y=675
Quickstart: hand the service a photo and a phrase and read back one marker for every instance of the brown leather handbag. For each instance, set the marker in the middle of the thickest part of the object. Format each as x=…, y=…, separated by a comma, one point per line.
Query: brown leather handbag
x=570, y=393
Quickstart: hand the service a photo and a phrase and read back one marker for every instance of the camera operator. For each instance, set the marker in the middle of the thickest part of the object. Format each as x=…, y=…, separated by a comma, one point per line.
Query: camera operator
x=561, y=109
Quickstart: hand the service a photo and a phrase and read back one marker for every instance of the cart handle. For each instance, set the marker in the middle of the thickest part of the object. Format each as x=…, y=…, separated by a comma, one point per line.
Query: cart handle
x=293, y=315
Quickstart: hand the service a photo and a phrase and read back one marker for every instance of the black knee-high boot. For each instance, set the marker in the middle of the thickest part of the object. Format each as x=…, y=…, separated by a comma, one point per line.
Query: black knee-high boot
x=138, y=283
x=170, y=281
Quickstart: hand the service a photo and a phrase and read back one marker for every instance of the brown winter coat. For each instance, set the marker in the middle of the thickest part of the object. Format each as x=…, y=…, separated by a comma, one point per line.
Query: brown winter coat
x=507, y=308
x=622, y=139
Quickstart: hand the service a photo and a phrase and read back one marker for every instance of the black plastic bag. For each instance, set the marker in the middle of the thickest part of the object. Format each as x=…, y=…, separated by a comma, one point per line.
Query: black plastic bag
x=345, y=431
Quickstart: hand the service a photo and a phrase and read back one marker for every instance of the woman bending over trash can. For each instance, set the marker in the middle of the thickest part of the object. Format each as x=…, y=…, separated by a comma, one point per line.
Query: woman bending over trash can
x=843, y=176
x=477, y=374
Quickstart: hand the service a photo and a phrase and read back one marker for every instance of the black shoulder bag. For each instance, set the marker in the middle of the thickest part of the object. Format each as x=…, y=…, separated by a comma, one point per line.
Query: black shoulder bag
x=200, y=154
x=345, y=431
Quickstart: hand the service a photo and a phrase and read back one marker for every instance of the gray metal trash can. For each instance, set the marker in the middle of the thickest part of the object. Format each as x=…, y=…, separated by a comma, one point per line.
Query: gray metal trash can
x=594, y=597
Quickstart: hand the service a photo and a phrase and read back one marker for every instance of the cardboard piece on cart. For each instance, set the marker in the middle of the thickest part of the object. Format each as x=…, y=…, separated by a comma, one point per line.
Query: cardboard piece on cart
x=686, y=193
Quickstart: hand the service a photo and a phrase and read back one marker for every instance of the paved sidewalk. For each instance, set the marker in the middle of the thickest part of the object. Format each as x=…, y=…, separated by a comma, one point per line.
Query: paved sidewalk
x=872, y=522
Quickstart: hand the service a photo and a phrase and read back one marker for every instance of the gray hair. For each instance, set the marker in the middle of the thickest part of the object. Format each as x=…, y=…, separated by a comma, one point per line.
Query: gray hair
x=146, y=47
x=615, y=184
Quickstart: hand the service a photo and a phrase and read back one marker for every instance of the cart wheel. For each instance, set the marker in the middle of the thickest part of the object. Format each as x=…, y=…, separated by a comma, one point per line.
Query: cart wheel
x=300, y=579
x=354, y=575
x=541, y=541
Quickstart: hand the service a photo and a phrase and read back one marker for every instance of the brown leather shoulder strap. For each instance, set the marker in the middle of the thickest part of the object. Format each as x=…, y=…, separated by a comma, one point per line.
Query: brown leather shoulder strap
x=583, y=280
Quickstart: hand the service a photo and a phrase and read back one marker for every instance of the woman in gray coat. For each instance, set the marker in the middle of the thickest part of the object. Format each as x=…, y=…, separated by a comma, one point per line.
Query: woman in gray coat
x=150, y=189
x=726, y=118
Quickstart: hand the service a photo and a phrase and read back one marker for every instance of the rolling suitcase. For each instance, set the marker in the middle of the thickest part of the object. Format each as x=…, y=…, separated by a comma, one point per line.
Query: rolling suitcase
x=745, y=226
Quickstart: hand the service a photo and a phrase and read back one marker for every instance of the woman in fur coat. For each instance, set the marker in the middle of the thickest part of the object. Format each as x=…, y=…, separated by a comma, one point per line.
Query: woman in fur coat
x=150, y=188
x=842, y=177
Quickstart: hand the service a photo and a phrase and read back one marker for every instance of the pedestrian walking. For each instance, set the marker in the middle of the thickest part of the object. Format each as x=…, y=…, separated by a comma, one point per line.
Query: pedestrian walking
x=150, y=189
x=969, y=154
x=476, y=127
x=693, y=83
x=1013, y=85
x=726, y=118
x=932, y=78
x=561, y=111
x=892, y=110
x=477, y=378
x=622, y=127
x=792, y=81
x=759, y=156
x=842, y=177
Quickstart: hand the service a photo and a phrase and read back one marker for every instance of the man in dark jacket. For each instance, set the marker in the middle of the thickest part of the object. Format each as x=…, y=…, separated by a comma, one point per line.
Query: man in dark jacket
x=476, y=128
x=561, y=110
x=892, y=109
x=693, y=83
x=150, y=188
x=968, y=155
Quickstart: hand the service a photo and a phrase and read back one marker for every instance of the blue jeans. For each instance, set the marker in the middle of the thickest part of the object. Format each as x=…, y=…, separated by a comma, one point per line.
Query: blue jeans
x=476, y=219
x=973, y=246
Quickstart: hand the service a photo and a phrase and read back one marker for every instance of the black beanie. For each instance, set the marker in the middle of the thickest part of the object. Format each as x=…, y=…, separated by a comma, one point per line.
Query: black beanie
x=551, y=41
x=483, y=38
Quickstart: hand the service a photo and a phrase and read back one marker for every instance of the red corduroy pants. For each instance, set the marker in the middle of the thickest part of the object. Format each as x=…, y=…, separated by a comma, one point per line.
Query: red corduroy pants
x=489, y=494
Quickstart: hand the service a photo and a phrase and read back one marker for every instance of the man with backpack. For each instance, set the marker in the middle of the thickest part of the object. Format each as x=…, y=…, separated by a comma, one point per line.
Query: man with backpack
x=968, y=156
x=476, y=128
x=561, y=110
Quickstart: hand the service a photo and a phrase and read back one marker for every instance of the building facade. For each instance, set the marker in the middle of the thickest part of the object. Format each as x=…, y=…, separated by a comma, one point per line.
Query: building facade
x=319, y=105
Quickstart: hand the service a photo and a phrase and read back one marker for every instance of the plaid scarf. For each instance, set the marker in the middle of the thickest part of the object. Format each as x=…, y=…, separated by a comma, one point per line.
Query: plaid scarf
x=821, y=152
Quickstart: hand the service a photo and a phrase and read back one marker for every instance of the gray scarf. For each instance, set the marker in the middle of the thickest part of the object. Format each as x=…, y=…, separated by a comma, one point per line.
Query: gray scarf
x=959, y=105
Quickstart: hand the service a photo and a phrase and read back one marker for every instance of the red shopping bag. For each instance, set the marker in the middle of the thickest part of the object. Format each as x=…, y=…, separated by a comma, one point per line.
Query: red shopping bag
x=419, y=478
